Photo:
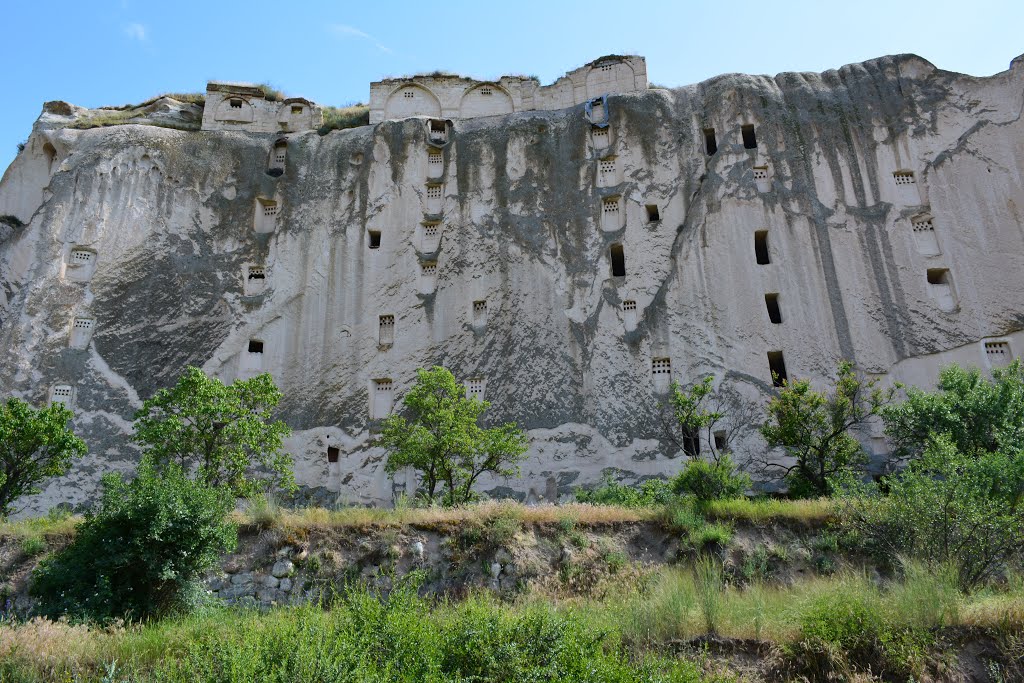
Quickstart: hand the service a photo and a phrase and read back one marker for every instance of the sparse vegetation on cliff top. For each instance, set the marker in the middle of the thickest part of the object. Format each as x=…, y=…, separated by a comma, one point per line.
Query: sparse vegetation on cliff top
x=341, y=118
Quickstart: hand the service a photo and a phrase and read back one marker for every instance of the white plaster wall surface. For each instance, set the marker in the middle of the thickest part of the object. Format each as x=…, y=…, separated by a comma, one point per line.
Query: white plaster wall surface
x=242, y=106
x=170, y=215
x=452, y=96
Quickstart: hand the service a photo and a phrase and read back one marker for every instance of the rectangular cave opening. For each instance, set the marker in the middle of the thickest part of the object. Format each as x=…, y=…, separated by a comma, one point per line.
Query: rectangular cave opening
x=618, y=260
x=691, y=442
x=761, y=247
x=710, y=142
x=749, y=139
x=653, y=214
x=255, y=346
x=332, y=454
x=777, y=366
x=938, y=276
x=771, y=302
x=721, y=442
x=374, y=239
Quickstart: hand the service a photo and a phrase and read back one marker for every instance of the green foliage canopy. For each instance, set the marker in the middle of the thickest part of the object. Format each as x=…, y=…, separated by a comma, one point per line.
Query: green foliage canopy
x=441, y=438
x=977, y=414
x=34, y=445
x=694, y=416
x=223, y=431
x=814, y=428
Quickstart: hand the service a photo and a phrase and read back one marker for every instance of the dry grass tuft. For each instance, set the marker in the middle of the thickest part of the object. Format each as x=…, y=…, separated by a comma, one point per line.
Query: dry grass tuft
x=810, y=512
x=341, y=118
x=53, y=646
x=48, y=526
x=292, y=521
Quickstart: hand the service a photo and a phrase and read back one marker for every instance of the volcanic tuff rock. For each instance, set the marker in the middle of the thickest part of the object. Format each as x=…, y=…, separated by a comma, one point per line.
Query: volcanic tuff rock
x=886, y=196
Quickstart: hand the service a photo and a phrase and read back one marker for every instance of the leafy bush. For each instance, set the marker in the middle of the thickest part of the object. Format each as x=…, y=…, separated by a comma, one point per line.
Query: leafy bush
x=710, y=535
x=681, y=516
x=848, y=619
x=650, y=493
x=850, y=631
x=694, y=417
x=711, y=480
x=33, y=545
x=946, y=508
x=141, y=553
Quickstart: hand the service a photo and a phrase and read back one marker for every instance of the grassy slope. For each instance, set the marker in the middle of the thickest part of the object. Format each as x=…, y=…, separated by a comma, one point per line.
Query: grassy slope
x=630, y=628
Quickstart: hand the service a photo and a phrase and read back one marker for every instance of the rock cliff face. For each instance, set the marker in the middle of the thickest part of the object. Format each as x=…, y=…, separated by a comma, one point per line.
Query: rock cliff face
x=886, y=198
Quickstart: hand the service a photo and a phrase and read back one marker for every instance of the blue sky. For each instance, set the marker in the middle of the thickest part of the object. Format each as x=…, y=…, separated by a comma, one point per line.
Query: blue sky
x=108, y=52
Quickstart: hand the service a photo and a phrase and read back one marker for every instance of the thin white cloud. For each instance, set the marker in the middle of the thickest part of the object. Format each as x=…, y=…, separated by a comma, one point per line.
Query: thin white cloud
x=346, y=31
x=136, y=31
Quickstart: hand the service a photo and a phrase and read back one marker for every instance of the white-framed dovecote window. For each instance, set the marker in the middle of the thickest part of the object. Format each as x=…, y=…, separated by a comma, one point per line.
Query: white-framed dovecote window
x=479, y=313
x=629, y=314
x=475, y=388
x=435, y=164
x=383, y=398
x=80, y=264
x=267, y=211
x=997, y=353
x=386, y=330
x=61, y=393
x=611, y=218
x=762, y=178
x=81, y=332
x=428, y=276
x=925, y=239
x=437, y=131
x=661, y=373
x=255, y=280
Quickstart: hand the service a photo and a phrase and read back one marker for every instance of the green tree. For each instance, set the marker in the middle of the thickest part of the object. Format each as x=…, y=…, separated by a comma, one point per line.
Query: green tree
x=223, y=432
x=814, y=428
x=440, y=437
x=34, y=446
x=978, y=415
x=945, y=508
x=694, y=416
x=141, y=553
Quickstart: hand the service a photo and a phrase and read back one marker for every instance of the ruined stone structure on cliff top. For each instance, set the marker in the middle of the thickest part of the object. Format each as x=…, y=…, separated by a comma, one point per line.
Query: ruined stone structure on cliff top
x=567, y=251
